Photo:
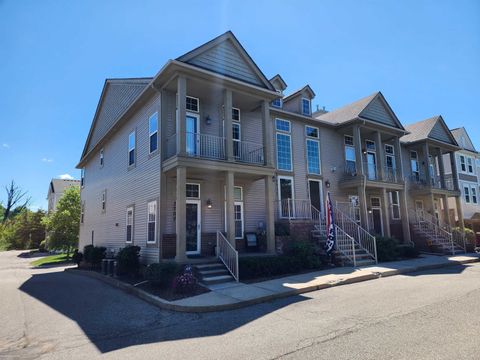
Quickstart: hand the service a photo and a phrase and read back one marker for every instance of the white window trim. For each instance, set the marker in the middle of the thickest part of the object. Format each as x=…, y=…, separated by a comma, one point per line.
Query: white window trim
x=464, y=163
x=239, y=114
x=389, y=146
x=199, y=190
x=397, y=205
x=148, y=221
x=82, y=178
x=102, y=157
x=309, y=106
x=374, y=144
x=150, y=134
x=284, y=131
x=291, y=155
x=473, y=188
x=103, y=205
x=134, y=132
x=312, y=127
x=237, y=123
x=468, y=166
x=130, y=208
x=198, y=103
x=279, y=193
x=416, y=160
x=278, y=106
x=235, y=202
x=319, y=158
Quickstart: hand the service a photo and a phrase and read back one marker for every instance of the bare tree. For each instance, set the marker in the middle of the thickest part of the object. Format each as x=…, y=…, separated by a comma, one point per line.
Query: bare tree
x=17, y=200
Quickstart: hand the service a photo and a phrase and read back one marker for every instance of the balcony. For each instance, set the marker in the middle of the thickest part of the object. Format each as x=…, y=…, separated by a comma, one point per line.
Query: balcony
x=372, y=173
x=420, y=182
x=214, y=148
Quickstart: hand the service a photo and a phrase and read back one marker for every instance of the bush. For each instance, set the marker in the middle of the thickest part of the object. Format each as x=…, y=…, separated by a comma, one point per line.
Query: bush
x=128, y=260
x=387, y=248
x=94, y=254
x=43, y=246
x=407, y=251
x=87, y=253
x=265, y=266
x=304, y=252
x=282, y=229
x=77, y=257
x=186, y=282
x=161, y=274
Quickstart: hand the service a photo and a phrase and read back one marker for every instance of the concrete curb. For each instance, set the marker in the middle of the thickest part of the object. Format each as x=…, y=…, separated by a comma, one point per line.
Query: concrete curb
x=168, y=305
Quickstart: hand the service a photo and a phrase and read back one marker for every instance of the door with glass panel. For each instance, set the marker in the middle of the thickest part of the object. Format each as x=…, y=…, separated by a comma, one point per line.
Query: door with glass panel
x=371, y=166
x=315, y=192
x=286, y=197
x=193, y=228
x=192, y=141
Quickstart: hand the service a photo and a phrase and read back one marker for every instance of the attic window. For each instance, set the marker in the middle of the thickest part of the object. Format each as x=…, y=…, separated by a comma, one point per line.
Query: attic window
x=306, y=108
x=192, y=103
x=277, y=102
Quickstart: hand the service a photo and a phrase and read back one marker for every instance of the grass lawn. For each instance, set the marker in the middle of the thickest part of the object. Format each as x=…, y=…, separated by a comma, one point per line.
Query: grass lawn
x=52, y=260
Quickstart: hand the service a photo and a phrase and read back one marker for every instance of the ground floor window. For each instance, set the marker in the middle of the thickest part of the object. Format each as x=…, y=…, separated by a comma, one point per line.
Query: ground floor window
x=129, y=228
x=152, y=222
x=238, y=212
x=395, y=205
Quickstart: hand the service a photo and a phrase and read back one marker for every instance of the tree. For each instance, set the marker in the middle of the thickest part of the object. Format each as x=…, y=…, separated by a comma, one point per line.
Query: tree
x=17, y=201
x=63, y=224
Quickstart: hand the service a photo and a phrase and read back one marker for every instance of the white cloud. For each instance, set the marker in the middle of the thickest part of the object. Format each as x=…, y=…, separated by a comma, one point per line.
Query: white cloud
x=66, y=177
x=6, y=146
x=47, y=160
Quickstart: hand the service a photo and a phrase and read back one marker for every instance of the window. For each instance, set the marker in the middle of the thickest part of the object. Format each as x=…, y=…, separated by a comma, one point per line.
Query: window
x=101, y=157
x=277, y=103
x=284, y=145
x=470, y=165
x=235, y=114
x=375, y=201
x=286, y=196
x=238, y=193
x=311, y=131
x=236, y=137
x=306, y=109
x=82, y=177
x=313, y=156
x=82, y=213
x=389, y=149
x=474, y=194
x=463, y=166
x=370, y=145
x=104, y=200
x=237, y=210
x=466, y=192
x=193, y=191
x=414, y=165
x=390, y=161
x=153, y=132
x=129, y=223
x=350, y=167
x=192, y=104
x=152, y=222
x=131, y=148
x=395, y=202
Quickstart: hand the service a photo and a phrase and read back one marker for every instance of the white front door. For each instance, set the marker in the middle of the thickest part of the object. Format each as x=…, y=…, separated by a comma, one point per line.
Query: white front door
x=193, y=227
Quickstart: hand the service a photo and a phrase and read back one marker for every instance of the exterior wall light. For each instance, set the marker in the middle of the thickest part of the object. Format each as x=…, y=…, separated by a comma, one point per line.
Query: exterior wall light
x=327, y=184
x=208, y=120
x=209, y=204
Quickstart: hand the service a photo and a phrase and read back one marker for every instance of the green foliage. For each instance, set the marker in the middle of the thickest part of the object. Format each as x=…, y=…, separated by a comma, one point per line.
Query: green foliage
x=305, y=252
x=407, y=251
x=51, y=260
x=266, y=266
x=162, y=274
x=77, y=257
x=22, y=230
x=387, y=249
x=63, y=225
x=469, y=234
x=185, y=282
x=282, y=229
x=94, y=254
x=128, y=260
x=43, y=246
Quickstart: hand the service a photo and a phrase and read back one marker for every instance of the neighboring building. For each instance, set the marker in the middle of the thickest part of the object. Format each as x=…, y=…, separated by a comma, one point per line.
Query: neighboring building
x=467, y=162
x=210, y=146
x=56, y=189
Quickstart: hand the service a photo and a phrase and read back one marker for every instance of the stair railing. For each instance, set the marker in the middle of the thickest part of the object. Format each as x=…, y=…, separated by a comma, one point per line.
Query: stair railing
x=428, y=225
x=228, y=255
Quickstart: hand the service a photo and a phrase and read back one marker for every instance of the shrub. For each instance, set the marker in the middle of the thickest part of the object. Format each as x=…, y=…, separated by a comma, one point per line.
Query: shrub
x=161, y=274
x=304, y=252
x=77, y=257
x=264, y=266
x=407, y=251
x=186, y=282
x=87, y=253
x=282, y=229
x=128, y=260
x=94, y=254
x=387, y=248
x=43, y=246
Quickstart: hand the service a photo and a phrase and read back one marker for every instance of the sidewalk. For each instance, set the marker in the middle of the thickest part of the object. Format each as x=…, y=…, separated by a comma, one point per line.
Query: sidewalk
x=235, y=295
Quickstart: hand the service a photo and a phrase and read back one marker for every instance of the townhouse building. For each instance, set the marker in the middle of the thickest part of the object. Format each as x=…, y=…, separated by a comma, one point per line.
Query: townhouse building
x=56, y=189
x=207, y=156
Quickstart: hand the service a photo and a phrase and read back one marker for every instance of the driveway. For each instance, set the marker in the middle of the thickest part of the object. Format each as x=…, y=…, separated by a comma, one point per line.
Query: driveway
x=47, y=313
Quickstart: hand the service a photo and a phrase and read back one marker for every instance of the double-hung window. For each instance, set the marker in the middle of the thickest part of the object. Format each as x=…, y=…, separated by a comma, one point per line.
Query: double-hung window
x=463, y=165
x=414, y=165
x=466, y=192
x=474, y=195
x=129, y=223
x=153, y=132
x=236, y=133
x=131, y=148
x=350, y=167
x=395, y=203
x=470, y=165
x=101, y=158
x=104, y=200
x=152, y=222
x=306, y=107
x=277, y=102
x=284, y=145
x=82, y=177
x=313, y=149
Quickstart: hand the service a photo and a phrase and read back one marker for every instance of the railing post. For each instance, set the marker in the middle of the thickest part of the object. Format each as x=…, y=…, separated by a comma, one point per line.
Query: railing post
x=289, y=208
x=375, y=248
x=353, y=253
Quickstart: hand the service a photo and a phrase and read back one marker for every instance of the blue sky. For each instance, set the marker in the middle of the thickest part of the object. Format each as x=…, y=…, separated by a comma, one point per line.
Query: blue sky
x=54, y=56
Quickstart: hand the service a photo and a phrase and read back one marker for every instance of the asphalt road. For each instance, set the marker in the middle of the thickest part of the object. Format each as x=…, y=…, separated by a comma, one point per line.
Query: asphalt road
x=50, y=314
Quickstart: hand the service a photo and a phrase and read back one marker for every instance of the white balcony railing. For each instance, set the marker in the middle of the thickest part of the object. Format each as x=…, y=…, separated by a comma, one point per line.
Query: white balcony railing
x=293, y=209
x=248, y=152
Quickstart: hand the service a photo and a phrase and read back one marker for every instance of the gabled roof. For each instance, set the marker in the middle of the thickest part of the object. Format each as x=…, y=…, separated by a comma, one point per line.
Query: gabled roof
x=293, y=95
x=226, y=56
x=279, y=80
x=433, y=128
x=373, y=107
x=116, y=97
x=460, y=133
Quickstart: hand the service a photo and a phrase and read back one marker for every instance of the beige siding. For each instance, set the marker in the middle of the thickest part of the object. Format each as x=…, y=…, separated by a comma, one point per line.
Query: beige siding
x=439, y=132
x=377, y=111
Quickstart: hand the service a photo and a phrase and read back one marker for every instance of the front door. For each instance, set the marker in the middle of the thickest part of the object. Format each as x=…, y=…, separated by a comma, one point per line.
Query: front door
x=193, y=227
x=371, y=166
x=285, y=195
x=419, y=209
x=315, y=190
x=192, y=140
x=376, y=216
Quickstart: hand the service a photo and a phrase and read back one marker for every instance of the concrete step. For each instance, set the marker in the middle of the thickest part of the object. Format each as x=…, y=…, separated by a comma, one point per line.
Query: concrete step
x=210, y=280
x=214, y=272
x=209, y=266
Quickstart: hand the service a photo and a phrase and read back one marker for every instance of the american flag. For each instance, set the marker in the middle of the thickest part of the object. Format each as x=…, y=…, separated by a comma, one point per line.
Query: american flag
x=331, y=234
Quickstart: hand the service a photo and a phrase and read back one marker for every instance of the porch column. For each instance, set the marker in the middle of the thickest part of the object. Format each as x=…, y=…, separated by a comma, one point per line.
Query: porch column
x=453, y=165
x=181, y=114
x=180, y=220
x=458, y=203
x=386, y=213
x=227, y=106
x=431, y=204
x=398, y=159
x=362, y=199
x=404, y=215
x=381, y=156
x=357, y=141
x=230, y=201
x=270, y=214
x=267, y=136
x=446, y=217
x=426, y=160
x=441, y=167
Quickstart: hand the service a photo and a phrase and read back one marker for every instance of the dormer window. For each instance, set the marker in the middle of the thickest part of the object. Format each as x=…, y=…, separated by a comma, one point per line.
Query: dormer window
x=277, y=102
x=306, y=107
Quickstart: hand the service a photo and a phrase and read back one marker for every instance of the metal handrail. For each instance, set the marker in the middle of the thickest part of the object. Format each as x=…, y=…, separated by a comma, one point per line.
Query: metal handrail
x=228, y=255
x=297, y=209
x=248, y=152
x=344, y=243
